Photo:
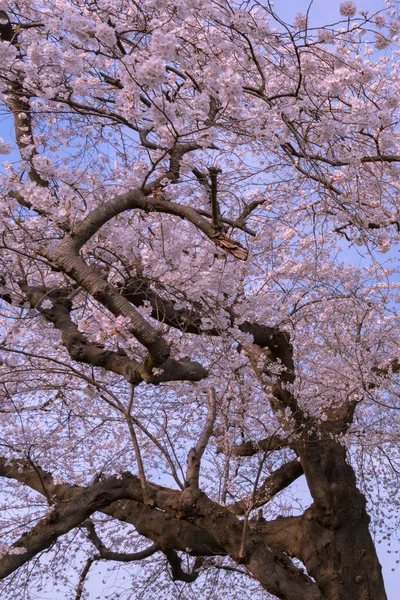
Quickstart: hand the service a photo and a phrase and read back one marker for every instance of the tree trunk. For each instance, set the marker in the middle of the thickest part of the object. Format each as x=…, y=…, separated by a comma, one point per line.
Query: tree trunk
x=338, y=551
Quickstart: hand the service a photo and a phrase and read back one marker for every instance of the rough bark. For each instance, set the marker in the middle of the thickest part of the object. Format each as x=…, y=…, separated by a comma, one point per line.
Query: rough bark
x=341, y=556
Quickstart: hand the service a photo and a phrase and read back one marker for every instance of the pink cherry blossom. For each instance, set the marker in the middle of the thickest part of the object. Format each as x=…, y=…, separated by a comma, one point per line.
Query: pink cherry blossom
x=199, y=293
x=348, y=9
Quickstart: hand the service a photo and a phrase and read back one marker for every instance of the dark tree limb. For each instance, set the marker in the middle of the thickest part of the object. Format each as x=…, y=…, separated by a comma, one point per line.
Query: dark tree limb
x=284, y=580
x=215, y=210
x=159, y=526
x=164, y=529
x=275, y=483
x=106, y=554
x=83, y=575
x=196, y=453
x=138, y=290
x=64, y=517
x=178, y=574
x=252, y=447
x=81, y=350
x=18, y=102
x=66, y=257
x=120, y=495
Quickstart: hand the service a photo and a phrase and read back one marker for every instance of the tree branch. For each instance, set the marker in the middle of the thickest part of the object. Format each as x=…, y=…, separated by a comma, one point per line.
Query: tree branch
x=215, y=211
x=19, y=105
x=278, y=577
x=195, y=454
x=83, y=575
x=164, y=529
x=65, y=516
x=121, y=495
x=178, y=574
x=106, y=554
x=252, y=447
x=275, y=483
x=137, y=290
x=134, y=199
x=81, y=350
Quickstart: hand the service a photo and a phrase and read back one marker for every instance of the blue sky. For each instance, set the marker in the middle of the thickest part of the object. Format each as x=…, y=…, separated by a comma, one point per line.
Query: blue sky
x=322, y=11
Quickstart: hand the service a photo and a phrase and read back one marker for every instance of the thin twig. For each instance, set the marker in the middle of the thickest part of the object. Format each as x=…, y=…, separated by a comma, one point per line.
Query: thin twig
x=83, y=576
x=142, y=477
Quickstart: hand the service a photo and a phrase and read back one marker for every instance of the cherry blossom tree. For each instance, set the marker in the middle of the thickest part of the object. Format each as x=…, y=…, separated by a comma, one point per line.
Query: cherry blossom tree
x=182, y=337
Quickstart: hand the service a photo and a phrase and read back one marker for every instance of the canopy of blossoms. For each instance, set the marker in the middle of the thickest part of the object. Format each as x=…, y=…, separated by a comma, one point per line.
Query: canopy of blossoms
x=199, y=278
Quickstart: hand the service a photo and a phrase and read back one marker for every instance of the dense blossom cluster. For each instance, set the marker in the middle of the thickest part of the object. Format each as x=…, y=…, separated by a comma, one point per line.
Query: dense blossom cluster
x=348, y=9
x=200, y=203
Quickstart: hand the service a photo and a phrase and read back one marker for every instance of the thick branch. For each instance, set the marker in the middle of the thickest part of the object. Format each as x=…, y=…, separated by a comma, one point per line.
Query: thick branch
x=31, y=475
x=74, y=266
x=19, y=105
x=218, y=529
x=66, y=257
x=164, y=529
x=137, y=290
x=156, y=525
x=275, y=483
x=280, y=578
x=81, y=350
x=252, y=447
x=203, y=514
x=135, y=199
x=178, y=574
x=65, y=516
x=195, y=454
